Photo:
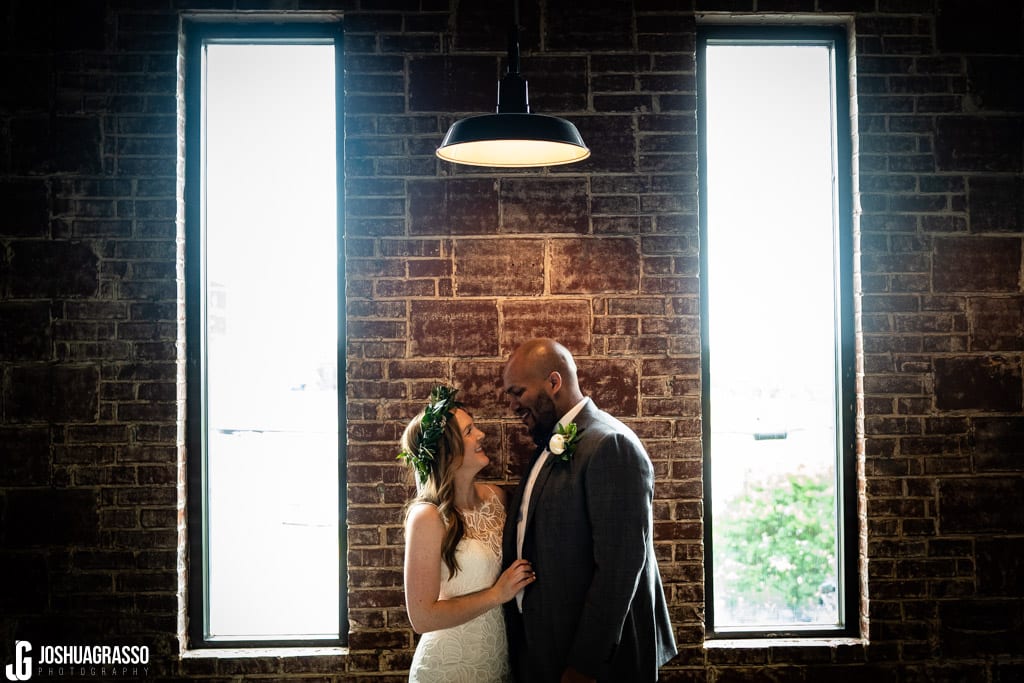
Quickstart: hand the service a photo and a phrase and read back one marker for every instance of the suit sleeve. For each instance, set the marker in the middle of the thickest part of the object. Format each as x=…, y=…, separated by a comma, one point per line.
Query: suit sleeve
x=620, y=489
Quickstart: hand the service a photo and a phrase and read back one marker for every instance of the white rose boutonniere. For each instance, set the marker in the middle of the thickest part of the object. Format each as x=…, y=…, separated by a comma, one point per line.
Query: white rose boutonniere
x=562, y=444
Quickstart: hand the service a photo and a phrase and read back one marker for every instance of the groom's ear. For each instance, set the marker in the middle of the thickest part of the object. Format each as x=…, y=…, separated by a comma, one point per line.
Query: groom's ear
x=555, y=381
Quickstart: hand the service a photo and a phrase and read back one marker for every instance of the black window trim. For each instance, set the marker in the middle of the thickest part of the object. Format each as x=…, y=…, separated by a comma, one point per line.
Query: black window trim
x=834, y=36
x=199, y=31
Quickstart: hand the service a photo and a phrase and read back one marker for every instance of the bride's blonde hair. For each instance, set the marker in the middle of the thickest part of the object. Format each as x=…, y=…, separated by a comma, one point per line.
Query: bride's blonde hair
x=439, y=486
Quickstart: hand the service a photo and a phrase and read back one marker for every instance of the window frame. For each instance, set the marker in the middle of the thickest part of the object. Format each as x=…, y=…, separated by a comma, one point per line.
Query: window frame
x=847, y=525
x=197, y=32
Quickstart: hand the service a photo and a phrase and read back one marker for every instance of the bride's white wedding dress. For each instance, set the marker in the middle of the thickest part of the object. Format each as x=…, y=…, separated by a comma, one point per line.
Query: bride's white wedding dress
x=477, y=651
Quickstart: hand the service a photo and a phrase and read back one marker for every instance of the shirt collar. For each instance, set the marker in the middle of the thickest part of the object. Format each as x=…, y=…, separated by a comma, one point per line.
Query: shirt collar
x=573, y=412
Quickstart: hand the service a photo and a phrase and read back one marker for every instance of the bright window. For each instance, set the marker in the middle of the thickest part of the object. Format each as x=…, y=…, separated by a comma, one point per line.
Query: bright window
x=777, y=310
x=262, y=304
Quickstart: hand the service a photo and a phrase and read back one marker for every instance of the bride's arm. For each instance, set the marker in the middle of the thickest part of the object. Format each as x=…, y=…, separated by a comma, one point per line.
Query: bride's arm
x=424, y=532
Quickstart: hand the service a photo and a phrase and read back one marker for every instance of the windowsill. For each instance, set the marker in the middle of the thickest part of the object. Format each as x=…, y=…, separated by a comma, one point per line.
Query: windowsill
x=736, y=643
x=251, y=652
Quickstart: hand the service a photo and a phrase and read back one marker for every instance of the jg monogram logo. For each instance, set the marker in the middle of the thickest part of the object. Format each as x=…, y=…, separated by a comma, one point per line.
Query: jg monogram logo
x=21, y=669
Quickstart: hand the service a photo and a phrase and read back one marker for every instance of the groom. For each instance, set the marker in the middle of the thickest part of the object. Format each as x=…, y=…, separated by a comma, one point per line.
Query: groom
x=583, y=518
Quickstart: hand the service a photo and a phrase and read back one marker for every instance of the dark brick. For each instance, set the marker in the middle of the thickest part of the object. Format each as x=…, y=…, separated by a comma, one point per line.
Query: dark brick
x=572, y=26
x=998, y=443
x=479, y=27
x=458, y=83
x=56, y=145
x=917, y=203
x=25, y=82
x=976, y=264
x=977, y=383
x=1007, y=673
x=454, y=328
x=26, y=208
x=986, y=82
x=971, y=143
x=33, y=22
x=82, y=26
x=24, y=456
x=612, y=143
x=996, y=204
x=556, y=84
x=406, y=43
x=546, y=204
x=53, y=269
x=1000, y=564
x=970, y=628
x=996, y=324
x=594, y=265
x=499, y=267
x=960, y=27
x=627, y=103
x=931, y=672
x=980, y=505
x=51, y=393
x=375, y=104
x=567, y=320
x=30, y=573
x=613, y=384
x=367, y=22
x=939, y=104
x=39, y=517
x=453, y=206
x=25, y=331
x=375, y=206
x=480, y=386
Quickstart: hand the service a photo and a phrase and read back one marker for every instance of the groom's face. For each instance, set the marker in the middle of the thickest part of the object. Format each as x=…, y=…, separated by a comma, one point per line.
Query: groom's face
x=529, y=398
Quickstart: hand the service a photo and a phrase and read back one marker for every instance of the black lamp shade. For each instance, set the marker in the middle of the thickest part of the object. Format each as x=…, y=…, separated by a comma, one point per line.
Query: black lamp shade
x=513, y=140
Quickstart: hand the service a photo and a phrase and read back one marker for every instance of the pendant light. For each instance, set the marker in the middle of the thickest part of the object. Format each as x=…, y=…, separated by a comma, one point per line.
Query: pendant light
x=513, y=138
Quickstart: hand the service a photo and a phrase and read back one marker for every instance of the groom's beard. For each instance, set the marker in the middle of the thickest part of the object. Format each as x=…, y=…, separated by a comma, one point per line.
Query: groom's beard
x=544, y=421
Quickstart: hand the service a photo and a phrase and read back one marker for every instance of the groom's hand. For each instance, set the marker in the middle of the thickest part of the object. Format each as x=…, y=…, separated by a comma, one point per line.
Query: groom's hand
x=571, y=675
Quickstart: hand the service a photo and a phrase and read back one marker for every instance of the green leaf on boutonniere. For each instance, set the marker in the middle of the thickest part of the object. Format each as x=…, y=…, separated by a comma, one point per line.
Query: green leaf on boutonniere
x=563, y=442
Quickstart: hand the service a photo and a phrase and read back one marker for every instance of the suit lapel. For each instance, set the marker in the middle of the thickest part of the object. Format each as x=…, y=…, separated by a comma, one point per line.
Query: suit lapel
x=586, y=415
x=583, y=418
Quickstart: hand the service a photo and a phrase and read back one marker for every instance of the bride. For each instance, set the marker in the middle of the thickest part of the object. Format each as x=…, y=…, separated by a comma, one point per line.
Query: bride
x=454, y=587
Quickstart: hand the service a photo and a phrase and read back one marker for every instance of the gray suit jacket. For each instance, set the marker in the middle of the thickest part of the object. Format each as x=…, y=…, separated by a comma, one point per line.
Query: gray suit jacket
x=598, y=604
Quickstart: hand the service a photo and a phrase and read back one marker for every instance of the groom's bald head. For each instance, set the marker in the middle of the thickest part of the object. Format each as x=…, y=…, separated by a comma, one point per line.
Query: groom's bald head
x=544, y=356
x=546, y=362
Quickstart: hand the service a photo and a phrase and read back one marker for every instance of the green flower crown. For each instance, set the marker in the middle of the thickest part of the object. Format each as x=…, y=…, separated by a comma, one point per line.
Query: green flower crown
x=439, y=410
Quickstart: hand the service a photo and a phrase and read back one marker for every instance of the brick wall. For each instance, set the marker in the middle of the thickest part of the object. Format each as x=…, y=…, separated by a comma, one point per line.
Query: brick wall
x=449, y=267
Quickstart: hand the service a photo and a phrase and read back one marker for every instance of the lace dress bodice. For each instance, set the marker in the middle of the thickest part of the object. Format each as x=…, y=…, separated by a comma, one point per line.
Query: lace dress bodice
x=477, y=651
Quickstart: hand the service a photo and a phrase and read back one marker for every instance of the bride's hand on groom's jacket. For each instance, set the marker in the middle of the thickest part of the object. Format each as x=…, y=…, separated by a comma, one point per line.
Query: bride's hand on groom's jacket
x=519, y=575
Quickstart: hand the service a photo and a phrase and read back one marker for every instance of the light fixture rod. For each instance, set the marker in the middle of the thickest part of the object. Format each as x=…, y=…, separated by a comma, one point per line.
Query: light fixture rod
x=513, y=42
x=513, y=92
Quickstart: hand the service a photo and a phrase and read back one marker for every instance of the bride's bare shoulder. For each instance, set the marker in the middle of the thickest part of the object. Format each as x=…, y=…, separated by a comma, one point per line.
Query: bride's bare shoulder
x=422, y=513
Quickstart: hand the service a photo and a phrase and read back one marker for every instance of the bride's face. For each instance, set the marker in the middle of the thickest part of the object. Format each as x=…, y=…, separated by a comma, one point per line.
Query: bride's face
x=473, y=456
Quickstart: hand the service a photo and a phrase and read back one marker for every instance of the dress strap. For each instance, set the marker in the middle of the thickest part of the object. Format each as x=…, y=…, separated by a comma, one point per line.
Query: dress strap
x=493, y=493
x=487, y=522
